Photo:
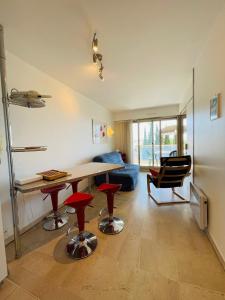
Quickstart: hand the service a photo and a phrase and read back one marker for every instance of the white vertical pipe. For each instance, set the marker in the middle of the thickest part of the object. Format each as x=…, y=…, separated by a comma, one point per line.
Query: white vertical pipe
x=13, y=193
x=3, y=265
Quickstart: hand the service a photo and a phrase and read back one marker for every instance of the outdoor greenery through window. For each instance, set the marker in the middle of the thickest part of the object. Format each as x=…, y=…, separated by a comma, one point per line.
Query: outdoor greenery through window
x=153, y=139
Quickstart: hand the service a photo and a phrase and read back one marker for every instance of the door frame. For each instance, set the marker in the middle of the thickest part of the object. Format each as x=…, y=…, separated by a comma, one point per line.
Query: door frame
x=179, y=135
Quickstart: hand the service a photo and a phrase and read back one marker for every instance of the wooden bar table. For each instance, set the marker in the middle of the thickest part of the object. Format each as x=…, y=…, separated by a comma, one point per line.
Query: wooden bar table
x=79, y=172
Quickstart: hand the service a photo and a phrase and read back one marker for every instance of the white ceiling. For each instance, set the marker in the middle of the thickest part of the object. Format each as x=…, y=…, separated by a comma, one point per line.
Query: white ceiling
x=148, y=46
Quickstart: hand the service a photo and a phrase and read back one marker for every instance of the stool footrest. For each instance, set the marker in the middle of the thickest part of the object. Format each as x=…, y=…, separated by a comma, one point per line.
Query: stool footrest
x=56, y=215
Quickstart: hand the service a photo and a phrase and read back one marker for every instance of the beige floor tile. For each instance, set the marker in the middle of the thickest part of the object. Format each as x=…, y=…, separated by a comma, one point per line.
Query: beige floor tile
x=158, y=260
x=199, y=269
x=99, y=277
x=188, y=292
x=130, y=251
x=144, y=285
x=41, y=264
x=139, y=286
x=28, y=281
x=59, y=293
x=105, y=294
x=165, y=289
x=6, y=289
x=21, y=294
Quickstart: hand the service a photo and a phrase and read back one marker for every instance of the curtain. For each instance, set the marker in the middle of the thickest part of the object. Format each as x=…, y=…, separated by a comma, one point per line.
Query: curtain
x=123, y=138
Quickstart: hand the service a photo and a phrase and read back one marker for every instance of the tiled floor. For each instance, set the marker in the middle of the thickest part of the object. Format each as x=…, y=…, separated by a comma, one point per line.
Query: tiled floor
x=161, y=254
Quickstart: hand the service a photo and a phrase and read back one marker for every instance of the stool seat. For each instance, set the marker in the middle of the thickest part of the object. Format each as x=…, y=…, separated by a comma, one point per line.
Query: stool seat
x=53, y=189
x=78, y=199
x=109, y=187
x=74, y=184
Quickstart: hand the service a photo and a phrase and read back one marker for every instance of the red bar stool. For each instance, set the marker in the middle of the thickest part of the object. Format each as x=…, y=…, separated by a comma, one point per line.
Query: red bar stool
x=74, y=185
x=110, y=224
x=85, y=243
x=57, y=220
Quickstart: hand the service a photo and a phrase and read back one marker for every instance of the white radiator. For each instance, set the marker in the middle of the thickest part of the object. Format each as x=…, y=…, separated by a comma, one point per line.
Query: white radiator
x=199, y=205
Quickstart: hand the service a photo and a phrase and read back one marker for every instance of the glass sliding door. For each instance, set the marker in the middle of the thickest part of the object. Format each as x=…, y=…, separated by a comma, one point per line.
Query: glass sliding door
x=145, y=144
x=156, y=143
x=184, y=135
x=168, y=137
x=135, y=141
x=153, y=139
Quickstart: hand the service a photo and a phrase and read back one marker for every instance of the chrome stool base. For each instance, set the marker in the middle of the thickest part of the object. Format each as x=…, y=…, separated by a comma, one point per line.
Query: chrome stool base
x=113, y=226
x=80, y=249
x=70, y=210
x=54, y=223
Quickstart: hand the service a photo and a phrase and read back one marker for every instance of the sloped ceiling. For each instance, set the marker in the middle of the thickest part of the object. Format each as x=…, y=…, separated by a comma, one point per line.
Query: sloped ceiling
x=148, y=46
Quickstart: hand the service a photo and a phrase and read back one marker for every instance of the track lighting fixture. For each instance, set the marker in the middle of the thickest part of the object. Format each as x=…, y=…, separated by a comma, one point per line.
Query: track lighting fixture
x=95, y=43
x=97, y=57
x=100, y=72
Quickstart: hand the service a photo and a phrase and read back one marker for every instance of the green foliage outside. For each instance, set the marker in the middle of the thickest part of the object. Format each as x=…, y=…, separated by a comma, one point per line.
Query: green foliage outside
x=166, y=139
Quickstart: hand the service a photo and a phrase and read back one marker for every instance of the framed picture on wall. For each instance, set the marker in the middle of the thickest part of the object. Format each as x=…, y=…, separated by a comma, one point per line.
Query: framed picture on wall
x=215, y=107
x=99, y=132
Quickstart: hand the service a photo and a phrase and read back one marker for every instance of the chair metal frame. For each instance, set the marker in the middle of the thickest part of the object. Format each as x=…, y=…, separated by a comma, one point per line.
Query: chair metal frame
x=171, y=168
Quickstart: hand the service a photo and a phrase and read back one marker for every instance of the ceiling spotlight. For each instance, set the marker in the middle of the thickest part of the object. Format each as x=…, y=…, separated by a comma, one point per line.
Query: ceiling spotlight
x=94, y=58
x=95, y=43
x=101, y=68
x=97, y=57
x=101, y=77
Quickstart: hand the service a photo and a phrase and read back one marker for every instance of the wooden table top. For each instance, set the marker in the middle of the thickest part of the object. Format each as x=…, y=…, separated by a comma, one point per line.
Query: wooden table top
x=79, y=172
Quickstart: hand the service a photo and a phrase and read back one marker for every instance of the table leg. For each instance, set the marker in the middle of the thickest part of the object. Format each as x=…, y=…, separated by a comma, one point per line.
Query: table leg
x=89, y=185
x=107, y=177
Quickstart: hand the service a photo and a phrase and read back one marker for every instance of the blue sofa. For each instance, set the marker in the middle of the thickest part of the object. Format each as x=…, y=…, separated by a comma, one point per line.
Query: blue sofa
x=128, y=176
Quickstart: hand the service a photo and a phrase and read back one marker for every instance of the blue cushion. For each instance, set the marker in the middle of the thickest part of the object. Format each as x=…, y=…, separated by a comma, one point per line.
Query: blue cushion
x=128, y=176
x=111, y=157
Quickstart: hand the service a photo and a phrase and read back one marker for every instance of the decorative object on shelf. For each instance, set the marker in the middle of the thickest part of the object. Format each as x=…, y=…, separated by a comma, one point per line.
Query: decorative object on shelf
x=29, y=99
x=99, y=132
x=52, y=174
x=97, y=57
x=110, y=131
x=215, y=103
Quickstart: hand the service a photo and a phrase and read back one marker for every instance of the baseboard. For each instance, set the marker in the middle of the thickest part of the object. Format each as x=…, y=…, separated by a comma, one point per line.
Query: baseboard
x=34, y=223
x=219, y=255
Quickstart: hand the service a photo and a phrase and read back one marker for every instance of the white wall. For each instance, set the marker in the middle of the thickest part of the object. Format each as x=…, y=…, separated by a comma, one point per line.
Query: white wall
x=209, y=138
x=153, y=112
x=187, y=97
x=64, y=125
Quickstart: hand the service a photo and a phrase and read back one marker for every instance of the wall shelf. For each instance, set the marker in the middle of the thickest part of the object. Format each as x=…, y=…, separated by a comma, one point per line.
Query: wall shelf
x=28, y=149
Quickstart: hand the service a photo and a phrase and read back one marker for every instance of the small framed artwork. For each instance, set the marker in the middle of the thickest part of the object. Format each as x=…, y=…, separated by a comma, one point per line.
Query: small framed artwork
x=99, y=132
x=215, y=107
